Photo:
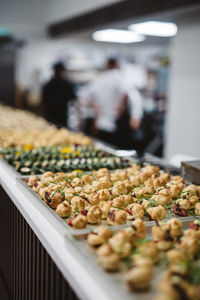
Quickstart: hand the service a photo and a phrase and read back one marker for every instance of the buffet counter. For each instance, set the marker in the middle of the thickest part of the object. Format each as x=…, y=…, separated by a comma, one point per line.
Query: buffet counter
x=42, y=257
x=40, y=251
x=67, y=258
x=82, y=220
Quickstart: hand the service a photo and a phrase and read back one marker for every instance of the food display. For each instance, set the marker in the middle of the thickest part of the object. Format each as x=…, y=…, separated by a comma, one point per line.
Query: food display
x=18, y=119
x=116, y=197
x=38, y=138
x=110, y=198
x=15, y=131
x=165, y=262
x=105, y=202
x=60, y=159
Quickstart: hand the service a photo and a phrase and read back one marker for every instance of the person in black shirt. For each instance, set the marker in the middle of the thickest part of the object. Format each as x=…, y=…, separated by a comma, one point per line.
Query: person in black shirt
x=56, y=94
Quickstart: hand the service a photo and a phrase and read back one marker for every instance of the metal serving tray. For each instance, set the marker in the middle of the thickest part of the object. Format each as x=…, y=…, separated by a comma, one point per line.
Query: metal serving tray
x=114, y=283
x=62, y=225
x=128, y=154
x=46, y=210
x=10, y=168
x=54, y=218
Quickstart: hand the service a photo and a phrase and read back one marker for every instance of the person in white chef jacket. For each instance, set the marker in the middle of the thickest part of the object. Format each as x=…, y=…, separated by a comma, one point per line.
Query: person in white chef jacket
x=130, y=119
x=108, y=95
x=105, y=95
x=135, y=103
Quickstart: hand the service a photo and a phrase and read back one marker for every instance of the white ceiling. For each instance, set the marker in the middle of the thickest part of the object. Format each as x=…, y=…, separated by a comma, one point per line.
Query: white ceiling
x=27, y=18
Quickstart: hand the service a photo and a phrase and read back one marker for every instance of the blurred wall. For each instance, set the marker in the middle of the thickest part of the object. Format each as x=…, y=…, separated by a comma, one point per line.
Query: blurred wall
x=39, y=55
x=182, y=128
x=28, y=19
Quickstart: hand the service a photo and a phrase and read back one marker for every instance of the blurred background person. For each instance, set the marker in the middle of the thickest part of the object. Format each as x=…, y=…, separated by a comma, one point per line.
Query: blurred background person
x=56, y=94
x=105, y=95
x=136, y=107
x=130, y=118
x=157, y=139
x=161, y=91
x=86, y=111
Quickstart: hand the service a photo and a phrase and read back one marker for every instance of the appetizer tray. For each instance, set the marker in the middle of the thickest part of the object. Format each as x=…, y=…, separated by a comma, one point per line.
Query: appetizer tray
x=58, y=222
x=64, y=159
x=114, y=282
x=66, y=229
x=62, y=222
x=111, y=282
x=47, y=211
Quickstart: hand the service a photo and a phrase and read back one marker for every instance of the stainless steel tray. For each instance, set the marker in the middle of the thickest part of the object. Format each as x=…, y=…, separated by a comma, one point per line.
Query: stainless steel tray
x=51, y=214
x=10, y=168
x=128, y=154
x=58, y=221
x=61, y=223
x=114, y=281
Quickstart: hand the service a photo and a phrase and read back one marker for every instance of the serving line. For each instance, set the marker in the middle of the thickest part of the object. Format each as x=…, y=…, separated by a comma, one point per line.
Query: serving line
x=76, y=270
x=62, y=225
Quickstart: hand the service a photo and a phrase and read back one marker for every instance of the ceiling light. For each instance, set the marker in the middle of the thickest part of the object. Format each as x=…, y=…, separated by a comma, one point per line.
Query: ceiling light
x=117, y=36
x=155, y=28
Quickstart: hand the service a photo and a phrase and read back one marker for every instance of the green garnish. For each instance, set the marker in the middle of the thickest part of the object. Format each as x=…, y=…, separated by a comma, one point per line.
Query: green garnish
x=127, y=261
x=152, y=203
x=190, y=212
x=54, y=182
x=168, y=206
x=69, y=179
x=136, y=252
x=140, y=242
x=122, y=208
x=80, y=175
x=85, y=198
x=58, y=191
x=194, y=273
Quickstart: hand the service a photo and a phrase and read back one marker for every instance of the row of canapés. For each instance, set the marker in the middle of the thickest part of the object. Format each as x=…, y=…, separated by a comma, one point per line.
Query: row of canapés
x=37, y=138
x=19, y=128
x=60, y=159
x=45, y=148
x=168, y=256
x=116, y=197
